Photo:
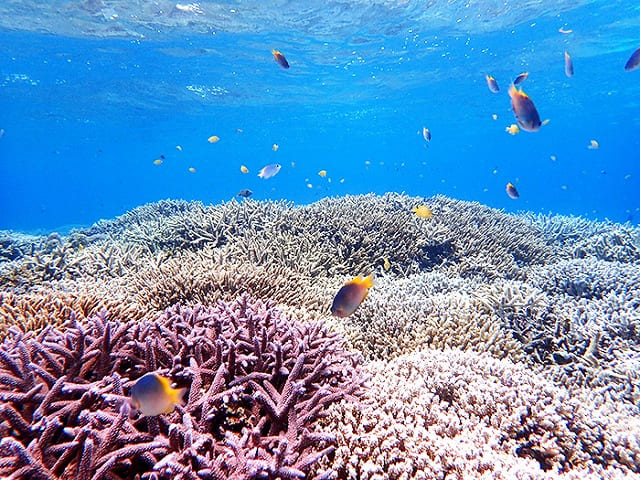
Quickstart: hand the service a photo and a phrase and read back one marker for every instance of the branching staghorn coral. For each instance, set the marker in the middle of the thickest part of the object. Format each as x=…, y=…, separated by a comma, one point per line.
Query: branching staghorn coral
x=402, y=315
x=584, y=341
x=577, y=237
x=257, y=383
x=175, y=251
x=34, y=311
x=335, y=236
x=462, y=415
x=587, y=278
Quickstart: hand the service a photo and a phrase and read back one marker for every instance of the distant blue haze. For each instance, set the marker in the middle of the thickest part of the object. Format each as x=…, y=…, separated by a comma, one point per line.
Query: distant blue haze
x=84, y=117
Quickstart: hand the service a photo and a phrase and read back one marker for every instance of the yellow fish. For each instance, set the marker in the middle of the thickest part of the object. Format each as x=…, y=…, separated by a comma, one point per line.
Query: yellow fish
x=593, y=145
x=275, y=147
x=152, y=395
x=213, y=139
x=322, y=173
x=350, y=296
x=192, y=170
x=157, y=161
x=386, y=264
x=244, y=169
x=512, y=129
x=422, y=211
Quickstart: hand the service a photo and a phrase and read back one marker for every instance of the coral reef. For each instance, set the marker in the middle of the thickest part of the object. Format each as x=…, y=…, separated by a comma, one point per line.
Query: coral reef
x=554, y=301
x=257, y=383
x=587, y=278
x=175, y=251
x=577, y=237
x=449, y=414
x=404, y=315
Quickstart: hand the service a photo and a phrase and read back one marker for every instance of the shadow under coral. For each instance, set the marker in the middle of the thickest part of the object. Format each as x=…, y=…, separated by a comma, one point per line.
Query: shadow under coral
x=257, y=381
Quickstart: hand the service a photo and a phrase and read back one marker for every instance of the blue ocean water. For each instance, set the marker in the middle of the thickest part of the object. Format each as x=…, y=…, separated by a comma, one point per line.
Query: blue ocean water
x=93, y=91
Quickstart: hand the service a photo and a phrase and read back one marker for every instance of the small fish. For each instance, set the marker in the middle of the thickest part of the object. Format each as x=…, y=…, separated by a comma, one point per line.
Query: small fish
x=512, y=129
x=157, y=161
x=192, y=170
x=275, y=147
x=322, y=173
x=213, y=139
x=422, y=211
x=521, y=78
x=239, y=130
x=179, y=148
x=270, y=170
x=494, y=116
x=511, y=191
x=492, y=84
x=1, y=132
x=633, y=62
x=152, y=395
x=309, y=185
x=525, y=111
x=245, y=193
x=426, y=134
x=279, y=57
x=244, y=169
x=593, y=145
x=161, y=157
x=350, y=296
x=386, y=264
x=566, y=32
x=568, y=65
x=553, y=158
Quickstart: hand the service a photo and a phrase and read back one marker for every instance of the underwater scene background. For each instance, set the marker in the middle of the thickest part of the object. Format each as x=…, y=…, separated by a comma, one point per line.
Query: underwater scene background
x=93, y=92
x=146, y=232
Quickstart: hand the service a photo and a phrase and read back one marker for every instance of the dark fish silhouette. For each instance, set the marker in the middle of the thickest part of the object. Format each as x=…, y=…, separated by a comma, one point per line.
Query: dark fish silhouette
x=351, y=295
x=526, y=114
x=492, y=84
x=634, y=61
x=511, y=191
x=520, y=78
x=244, y=193
x=279, y=57
x=568, y=65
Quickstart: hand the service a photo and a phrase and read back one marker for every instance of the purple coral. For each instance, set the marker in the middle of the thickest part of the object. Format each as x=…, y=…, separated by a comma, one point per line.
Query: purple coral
x=257, y=383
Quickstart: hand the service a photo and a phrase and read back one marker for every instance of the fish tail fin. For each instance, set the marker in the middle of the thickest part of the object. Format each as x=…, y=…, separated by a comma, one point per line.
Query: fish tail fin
x=178, y=396
x=368, y=281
